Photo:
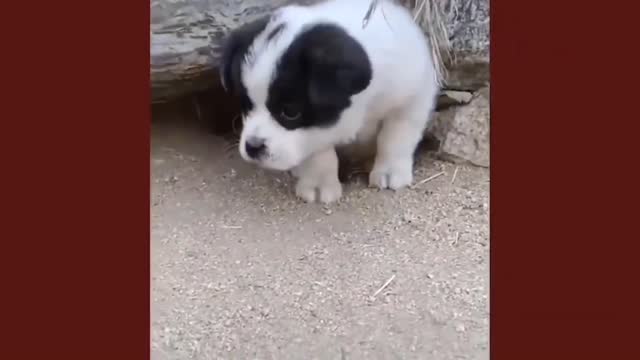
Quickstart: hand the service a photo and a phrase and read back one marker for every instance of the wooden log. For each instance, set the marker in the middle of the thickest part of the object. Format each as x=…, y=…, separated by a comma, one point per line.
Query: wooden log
x=185, y=40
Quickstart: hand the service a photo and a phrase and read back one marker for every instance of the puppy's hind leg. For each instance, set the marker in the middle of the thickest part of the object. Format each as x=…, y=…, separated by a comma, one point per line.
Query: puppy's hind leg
x=318, y=177
x=396, y=143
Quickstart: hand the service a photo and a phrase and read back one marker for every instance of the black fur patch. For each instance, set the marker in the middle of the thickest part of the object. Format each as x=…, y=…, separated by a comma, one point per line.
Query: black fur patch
x=234, y=51
x=316, y=77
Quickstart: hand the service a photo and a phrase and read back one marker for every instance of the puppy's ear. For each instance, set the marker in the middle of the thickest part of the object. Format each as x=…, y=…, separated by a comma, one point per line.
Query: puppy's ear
x=337, y=65
x=233, y=51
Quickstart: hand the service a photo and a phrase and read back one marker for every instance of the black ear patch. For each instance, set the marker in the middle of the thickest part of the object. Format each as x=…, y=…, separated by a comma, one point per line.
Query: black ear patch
x=316, y=77
x=338, y=65
x=234, y=50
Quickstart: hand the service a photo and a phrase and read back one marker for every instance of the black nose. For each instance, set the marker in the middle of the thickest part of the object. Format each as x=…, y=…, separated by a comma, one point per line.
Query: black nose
x=255, y=147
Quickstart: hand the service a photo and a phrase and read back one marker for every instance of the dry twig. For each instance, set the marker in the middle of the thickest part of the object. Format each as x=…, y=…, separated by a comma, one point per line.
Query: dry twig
x=455, y=173
x=430, y=178
x=385, y=285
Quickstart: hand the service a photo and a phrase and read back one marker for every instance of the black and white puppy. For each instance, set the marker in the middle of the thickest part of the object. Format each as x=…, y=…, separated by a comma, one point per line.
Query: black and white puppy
x=314, y=78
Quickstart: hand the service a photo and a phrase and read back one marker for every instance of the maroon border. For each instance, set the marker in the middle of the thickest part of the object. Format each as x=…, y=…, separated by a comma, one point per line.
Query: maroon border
x=75, y=248
x=562, y=263
x=75, y=181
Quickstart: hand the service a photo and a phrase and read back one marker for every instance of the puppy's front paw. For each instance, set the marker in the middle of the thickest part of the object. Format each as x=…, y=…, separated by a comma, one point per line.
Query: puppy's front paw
x=391, y=176
x=323, y=191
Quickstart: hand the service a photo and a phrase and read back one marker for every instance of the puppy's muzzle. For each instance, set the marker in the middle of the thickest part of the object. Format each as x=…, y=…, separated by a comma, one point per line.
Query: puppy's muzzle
x=255, y=147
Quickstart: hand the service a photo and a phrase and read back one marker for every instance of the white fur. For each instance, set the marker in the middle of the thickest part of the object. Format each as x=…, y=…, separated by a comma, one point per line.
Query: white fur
x=393, y=110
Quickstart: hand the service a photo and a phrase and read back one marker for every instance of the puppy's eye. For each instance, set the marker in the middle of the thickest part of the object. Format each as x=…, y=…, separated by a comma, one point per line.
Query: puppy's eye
x=290, y=113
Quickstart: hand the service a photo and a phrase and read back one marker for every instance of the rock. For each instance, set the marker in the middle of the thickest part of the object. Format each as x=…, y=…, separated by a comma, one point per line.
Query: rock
x=450, y=98
x=467, y=24
x=186, y=36
x=463, y=131
x=468, y=73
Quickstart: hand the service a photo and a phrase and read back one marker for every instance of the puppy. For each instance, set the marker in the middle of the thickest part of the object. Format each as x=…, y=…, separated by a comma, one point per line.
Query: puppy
x=313, y=79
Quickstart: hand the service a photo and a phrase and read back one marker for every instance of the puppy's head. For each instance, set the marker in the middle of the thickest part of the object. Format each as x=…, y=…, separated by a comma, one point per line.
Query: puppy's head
x=295, y=82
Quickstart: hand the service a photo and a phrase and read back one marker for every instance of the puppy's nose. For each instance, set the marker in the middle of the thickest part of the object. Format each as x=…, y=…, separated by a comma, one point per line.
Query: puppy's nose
x=255, y=147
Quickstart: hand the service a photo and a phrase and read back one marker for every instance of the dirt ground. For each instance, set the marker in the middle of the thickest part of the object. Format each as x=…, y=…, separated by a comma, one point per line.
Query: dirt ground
x=241, y=269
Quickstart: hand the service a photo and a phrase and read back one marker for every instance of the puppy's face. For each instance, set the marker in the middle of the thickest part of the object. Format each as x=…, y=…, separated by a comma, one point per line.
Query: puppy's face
x=294, y=87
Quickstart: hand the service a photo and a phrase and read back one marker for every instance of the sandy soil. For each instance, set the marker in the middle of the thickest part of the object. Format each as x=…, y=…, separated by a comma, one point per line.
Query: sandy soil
x=242, y=269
